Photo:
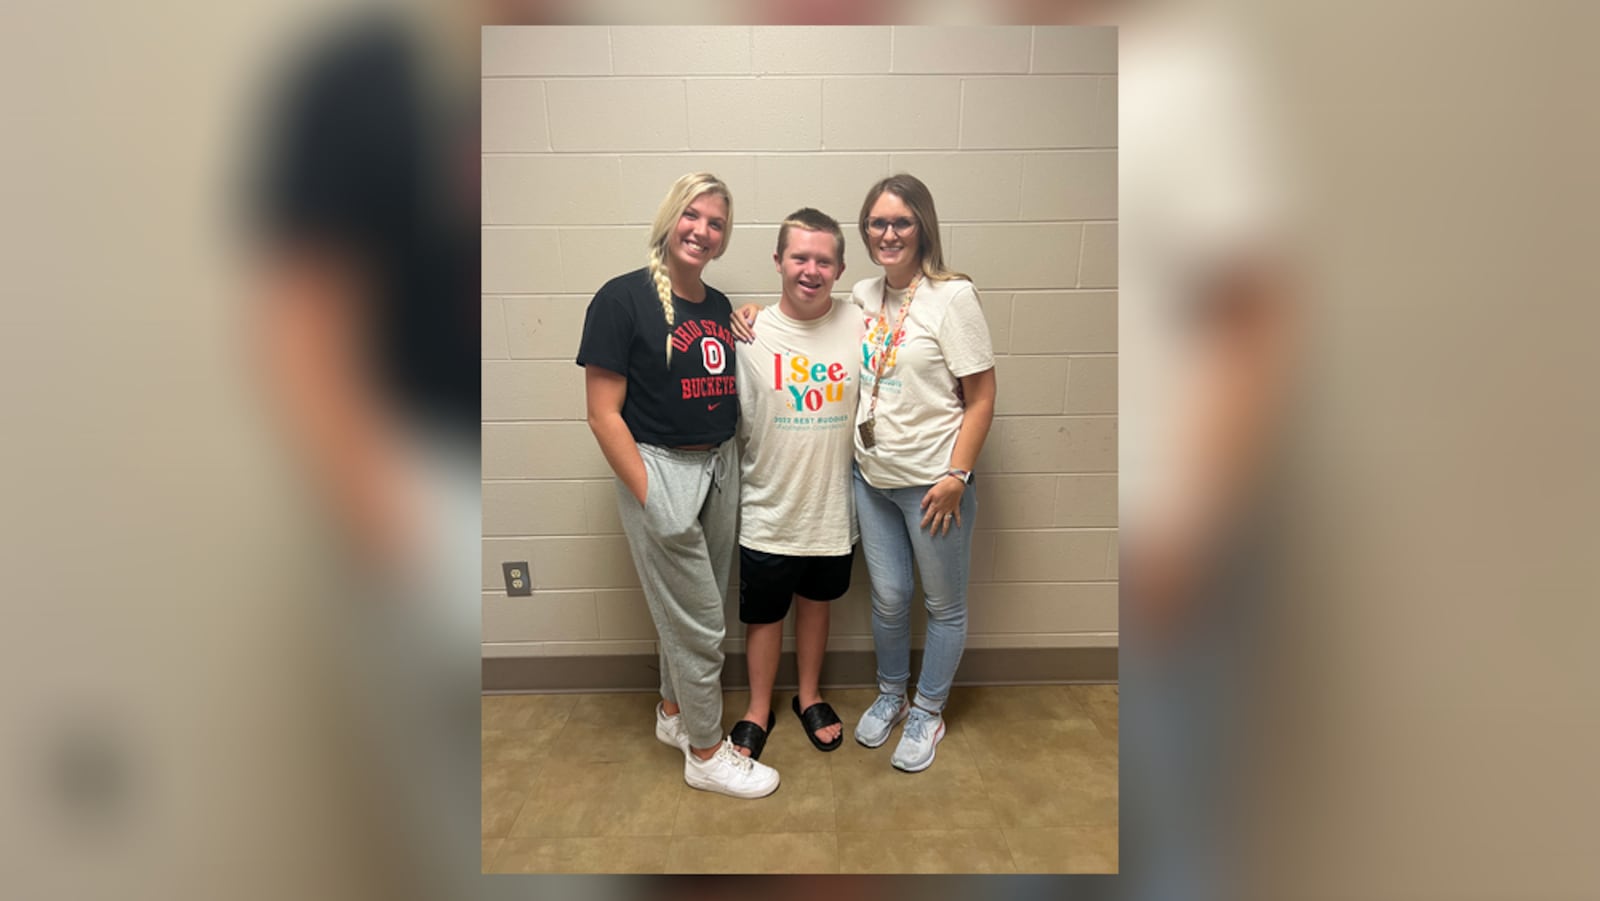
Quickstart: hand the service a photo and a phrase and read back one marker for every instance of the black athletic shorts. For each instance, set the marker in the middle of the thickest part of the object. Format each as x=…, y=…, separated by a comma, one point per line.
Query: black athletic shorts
x=767, y=582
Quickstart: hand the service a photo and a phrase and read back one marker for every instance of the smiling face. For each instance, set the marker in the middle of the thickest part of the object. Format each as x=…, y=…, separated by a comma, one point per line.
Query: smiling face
x=700, y=232
x=809, y=264
x=893, y=249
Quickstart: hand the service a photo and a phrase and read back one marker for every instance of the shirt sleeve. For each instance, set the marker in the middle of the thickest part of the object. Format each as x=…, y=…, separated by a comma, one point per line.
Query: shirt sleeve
x=607, y=332
x=1228, y=197
x=321, y=174
x=964, y=335
x=868, y=301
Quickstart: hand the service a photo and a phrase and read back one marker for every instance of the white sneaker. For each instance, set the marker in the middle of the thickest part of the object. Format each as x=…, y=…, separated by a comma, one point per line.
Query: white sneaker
x=923, y=733
x=669, y=729
x=730, y=773
x=874, y=727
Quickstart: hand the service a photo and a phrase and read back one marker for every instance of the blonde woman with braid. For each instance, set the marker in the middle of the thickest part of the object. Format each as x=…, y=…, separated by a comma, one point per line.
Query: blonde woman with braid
x=664, y=406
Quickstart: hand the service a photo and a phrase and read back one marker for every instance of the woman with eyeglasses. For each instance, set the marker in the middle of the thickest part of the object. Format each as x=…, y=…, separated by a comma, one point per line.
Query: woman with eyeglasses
x=926, y=402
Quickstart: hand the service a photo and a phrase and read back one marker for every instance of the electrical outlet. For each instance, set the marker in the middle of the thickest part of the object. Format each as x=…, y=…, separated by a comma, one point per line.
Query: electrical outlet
x=519, y=581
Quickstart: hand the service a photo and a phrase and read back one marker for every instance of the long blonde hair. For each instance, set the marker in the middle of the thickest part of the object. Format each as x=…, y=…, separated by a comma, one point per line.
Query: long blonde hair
x=683, y=192
x=914, y=194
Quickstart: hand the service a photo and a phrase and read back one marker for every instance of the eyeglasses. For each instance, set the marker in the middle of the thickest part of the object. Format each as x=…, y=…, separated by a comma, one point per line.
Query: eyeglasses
x=901, y=225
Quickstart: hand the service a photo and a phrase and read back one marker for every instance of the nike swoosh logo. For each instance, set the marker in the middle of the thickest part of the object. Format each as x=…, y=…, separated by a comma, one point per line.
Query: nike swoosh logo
x=714, y=406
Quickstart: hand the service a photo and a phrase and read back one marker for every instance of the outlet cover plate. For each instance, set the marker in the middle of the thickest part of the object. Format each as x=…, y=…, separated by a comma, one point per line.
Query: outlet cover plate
x=519, y=581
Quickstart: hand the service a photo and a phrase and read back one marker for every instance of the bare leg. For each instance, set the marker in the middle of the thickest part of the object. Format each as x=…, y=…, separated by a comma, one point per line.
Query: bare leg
x=763, y=643
x=811, y=640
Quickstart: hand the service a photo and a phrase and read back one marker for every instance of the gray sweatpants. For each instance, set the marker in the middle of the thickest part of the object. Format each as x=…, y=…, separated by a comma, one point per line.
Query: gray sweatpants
x=682, y=539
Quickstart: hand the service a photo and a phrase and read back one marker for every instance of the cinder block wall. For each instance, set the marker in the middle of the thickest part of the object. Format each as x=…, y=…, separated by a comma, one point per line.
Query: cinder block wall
x=1014, y=130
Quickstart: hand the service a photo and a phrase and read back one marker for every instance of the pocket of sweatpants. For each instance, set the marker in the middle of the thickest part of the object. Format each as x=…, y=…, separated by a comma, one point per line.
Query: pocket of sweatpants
x=647, y=459
x=655, y=464
x=668, y=511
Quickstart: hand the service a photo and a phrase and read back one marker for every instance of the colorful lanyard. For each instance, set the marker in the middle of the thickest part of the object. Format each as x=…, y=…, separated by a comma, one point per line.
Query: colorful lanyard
x=891, y=339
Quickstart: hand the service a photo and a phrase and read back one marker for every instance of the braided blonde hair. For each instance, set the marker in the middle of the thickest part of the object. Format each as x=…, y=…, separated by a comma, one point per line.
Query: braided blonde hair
x=683, y=192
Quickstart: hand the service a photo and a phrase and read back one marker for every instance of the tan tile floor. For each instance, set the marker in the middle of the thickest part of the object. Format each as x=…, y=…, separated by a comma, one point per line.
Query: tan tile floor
x=1025, y=782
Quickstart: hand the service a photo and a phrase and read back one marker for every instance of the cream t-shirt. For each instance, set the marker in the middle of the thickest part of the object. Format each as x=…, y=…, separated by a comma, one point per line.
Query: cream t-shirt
x=1203, y=189
x=798, y=383
x=918, y=411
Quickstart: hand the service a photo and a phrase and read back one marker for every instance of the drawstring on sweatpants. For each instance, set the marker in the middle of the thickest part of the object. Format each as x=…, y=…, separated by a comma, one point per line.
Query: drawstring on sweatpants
x=716, y=467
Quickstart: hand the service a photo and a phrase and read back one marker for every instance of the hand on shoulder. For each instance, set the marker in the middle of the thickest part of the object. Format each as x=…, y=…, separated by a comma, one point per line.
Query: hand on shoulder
x=743, y=322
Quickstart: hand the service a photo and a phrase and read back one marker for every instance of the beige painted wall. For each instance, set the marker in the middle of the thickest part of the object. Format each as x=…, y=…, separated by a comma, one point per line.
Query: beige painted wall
x=1014, y=130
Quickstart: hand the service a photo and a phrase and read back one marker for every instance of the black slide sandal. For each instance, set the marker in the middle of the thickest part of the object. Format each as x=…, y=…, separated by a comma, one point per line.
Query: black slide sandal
x=746, y=734
x=818, y=716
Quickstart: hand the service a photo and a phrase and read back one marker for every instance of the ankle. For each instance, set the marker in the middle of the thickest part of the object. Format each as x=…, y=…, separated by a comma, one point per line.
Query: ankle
x=669, y=708
x=704, y=754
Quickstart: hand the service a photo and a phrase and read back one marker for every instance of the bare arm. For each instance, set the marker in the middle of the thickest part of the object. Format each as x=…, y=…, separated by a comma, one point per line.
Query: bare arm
x=1245, y=333
x=605, y=391
x=979, y=390
x=945, y=495
x=312, y=328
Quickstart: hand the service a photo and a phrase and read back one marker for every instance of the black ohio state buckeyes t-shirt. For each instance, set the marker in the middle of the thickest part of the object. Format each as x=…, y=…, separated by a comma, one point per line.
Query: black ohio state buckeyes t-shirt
x=625, y=331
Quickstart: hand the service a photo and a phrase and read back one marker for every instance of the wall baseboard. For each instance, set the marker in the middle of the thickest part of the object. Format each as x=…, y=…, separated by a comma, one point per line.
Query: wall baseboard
x=841, y=669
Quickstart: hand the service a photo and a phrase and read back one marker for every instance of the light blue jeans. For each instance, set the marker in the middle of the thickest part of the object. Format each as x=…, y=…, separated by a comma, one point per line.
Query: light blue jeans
x=892, y=538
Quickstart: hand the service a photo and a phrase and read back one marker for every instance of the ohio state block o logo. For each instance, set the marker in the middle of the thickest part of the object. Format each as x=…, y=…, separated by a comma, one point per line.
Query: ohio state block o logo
x=711, y=352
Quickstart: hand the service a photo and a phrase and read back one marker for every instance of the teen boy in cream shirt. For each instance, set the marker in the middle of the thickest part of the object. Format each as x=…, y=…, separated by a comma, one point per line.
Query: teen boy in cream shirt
x=798, y=383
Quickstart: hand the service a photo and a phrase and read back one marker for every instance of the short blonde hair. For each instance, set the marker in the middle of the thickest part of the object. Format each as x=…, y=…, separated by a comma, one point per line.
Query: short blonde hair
x=811, y=220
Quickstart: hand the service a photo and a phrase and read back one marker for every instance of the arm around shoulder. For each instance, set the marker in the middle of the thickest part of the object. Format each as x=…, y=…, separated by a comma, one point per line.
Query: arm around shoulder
x=743, y=321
